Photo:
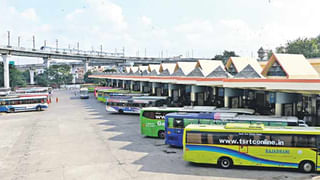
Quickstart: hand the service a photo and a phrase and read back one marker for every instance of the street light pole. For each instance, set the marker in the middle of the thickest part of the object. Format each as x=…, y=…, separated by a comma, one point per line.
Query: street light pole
x=19, y=41
x=8, y=38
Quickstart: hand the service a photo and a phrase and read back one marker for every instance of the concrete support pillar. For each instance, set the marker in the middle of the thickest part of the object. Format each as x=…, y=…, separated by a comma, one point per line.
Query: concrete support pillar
x=194, y=90
x=278, y=109
x=74, y=73
x=111, y=83
x=123, y=84
x=314, y=105
x=86, y=66
x=32, y=71
x=226, y=101
x=46, y=62
x=117, y=83
x=6, y=71
x=131, y=85
x=141, y=86
x=154, y=86
x=170, y=88
x=74, y=78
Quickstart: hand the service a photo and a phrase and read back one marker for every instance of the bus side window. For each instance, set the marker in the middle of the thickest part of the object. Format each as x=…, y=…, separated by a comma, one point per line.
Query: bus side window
x=149, y=114
x=204, y=121
x=210, y=138
x=318, y=142
x=170, y=122
x=195, y=138
x=204, y=138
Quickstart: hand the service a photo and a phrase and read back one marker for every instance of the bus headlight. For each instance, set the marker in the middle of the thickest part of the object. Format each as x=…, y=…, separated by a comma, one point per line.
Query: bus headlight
x=169, y=132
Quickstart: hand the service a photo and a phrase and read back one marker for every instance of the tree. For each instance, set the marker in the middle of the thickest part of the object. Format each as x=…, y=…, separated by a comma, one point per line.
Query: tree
x=16, y=77
x=42, y=79
x=26, y=75
x=225, y=56
x=86, y=78
x=56, y=75
x=90, y=80
x=309, y=47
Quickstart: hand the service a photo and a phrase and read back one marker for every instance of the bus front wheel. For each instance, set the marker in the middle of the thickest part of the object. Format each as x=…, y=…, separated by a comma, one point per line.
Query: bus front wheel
x=161, y=134
x=39, y=108
x=306, y=166
x=11, y=110
x=225, y=162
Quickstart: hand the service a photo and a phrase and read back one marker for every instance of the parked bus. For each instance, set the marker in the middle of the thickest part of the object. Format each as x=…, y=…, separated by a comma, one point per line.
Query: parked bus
x=84, y=93
x=90, y=87
x=176, y=122
x=104, y=94
x=152, y=119
x=99, y=88
x=134, y=104
x=253, y=145
x=14, y=104
x=32, y=92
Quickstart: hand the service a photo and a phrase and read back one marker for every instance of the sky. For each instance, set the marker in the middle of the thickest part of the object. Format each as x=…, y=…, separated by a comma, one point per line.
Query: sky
x=190, y=28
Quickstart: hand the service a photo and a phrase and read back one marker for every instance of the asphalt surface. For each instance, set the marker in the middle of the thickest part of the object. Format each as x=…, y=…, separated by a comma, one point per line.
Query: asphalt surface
x=77, y=139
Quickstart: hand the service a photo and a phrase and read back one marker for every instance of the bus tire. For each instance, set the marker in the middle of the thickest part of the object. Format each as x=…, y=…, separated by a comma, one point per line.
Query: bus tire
x=120, y=111
x=39, y=108
x=225, y=162
x=11, y=110
x=161, y=134
x=306, y=166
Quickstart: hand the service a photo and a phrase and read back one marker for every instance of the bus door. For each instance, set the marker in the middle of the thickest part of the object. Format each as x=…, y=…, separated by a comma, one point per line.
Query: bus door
x=318, y=150
x=243, y=143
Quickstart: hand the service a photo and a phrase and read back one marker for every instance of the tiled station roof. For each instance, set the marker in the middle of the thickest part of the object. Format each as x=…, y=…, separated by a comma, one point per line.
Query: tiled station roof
x=241, y=62
x=295, y=66
x=301, y=77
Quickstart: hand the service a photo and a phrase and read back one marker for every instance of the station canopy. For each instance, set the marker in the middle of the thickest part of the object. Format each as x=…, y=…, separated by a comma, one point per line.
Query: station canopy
x=197, y=72
x=186, y=67
x=178, y=72
x=236, y=64
x=219, y=72
x=248, y=72
x=169, y=66
x=207, y=66
x=291, y=66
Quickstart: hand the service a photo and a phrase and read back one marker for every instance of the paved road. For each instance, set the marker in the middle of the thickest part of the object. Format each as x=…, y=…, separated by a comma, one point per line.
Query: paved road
x=77, y=139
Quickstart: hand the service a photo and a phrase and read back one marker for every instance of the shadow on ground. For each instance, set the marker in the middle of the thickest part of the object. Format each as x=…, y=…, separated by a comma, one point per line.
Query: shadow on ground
x=161, y=158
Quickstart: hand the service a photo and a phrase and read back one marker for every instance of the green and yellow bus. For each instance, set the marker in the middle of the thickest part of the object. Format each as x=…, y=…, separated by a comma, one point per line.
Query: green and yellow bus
x=253, y=145
x=152, y=119
x=103, y=94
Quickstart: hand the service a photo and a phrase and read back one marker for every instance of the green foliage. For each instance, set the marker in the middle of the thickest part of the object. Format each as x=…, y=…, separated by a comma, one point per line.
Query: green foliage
x=16, y=77
x=86, y=77
x=42, y=79
x=26, y=75
x=309, y=47
x=55, y=76
x=91, y=80
x=225, y=56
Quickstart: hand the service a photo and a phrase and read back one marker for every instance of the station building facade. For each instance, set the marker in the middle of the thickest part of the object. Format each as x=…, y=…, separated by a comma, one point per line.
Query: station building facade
x=285, y=85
